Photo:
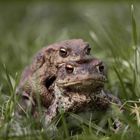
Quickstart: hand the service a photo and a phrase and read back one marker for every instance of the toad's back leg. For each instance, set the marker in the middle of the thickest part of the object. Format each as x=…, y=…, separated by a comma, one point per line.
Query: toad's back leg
x=38, y=85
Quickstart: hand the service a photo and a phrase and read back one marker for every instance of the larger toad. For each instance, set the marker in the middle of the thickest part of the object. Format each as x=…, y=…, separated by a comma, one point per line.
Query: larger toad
x=37, y=77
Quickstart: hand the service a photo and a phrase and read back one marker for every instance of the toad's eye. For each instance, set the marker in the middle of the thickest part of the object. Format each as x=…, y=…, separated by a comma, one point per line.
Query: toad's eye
x=63, y=52
x=69, y=68
x=101, y=68
x=88, y=49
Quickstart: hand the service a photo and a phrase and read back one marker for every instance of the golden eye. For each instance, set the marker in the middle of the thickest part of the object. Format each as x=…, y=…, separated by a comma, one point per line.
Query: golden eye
x=63, y=52
x=69, y=68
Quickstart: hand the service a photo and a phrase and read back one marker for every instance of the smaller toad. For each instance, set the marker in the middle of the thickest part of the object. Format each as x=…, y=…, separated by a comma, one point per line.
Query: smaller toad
x=76, y=87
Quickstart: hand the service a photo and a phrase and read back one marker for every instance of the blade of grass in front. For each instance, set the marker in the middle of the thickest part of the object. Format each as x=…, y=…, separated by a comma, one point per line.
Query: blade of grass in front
x=134, y=39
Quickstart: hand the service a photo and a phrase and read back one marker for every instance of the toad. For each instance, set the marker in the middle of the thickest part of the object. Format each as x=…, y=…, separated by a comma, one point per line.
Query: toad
x=41, y=73
x=78, y=86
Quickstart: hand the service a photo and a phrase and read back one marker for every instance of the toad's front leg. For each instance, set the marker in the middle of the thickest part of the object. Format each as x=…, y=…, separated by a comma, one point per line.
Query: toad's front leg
x=103, y=101
x=61, y=103
x=51, y=113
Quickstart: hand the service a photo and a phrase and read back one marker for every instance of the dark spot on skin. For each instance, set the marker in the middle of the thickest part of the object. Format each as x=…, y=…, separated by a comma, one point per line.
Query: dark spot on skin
x=49, y=81
x=49, y=50
x=99, y=87
x=69, y=99
x=82, y=61
x=49, y=112
x=76, y=78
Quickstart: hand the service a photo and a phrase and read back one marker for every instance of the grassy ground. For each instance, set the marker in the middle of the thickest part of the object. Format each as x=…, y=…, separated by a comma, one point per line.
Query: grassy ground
x=112, y=30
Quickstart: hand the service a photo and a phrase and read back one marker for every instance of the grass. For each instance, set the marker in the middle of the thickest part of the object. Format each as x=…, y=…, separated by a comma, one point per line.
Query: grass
x=111, y=28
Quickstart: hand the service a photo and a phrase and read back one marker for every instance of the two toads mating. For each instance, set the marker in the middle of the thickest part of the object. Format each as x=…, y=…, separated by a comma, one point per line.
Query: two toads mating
x=64, y=76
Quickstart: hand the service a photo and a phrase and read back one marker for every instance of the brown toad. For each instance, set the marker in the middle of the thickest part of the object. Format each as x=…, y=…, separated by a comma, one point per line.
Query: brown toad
x=76, y=87
x=41, y=73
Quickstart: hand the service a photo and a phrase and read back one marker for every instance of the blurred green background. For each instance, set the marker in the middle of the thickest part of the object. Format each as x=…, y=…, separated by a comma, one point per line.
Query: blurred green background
x=26, y=27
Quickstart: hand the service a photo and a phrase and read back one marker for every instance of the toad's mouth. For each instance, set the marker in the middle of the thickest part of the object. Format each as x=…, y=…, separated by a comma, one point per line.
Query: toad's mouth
x=88, y=85
x=86, y=82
